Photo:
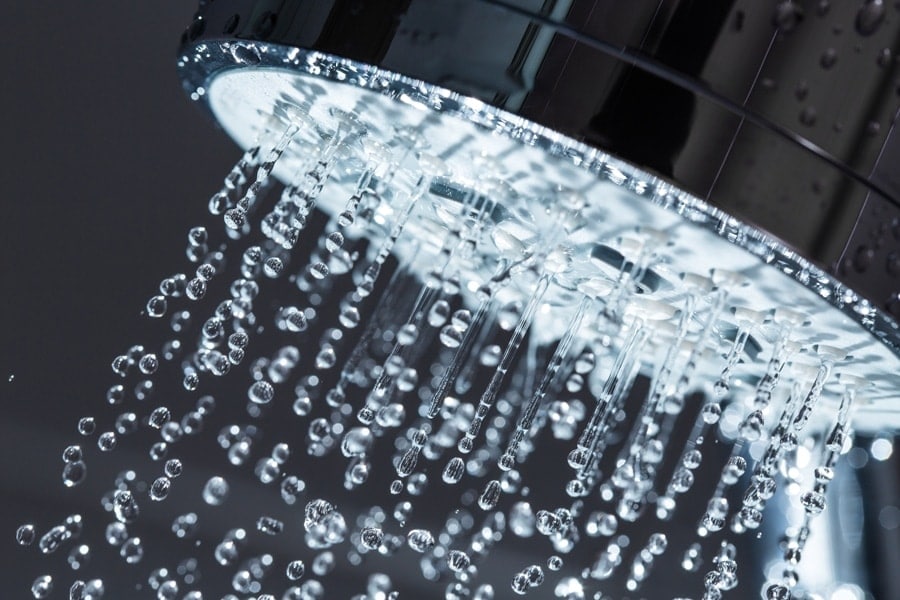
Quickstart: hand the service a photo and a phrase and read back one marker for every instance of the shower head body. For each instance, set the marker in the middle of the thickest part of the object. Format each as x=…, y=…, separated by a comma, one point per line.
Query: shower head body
x=672, y=119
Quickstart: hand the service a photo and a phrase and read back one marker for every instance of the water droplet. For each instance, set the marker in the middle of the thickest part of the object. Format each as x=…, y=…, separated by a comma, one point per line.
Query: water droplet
x=752, y=427
x=349, y=316
x=74, y=473
x=733, y=470
x=490, y=495
x=682, y=480
x=72, y=454
x=273, y=267
x=195, y=289
x=132, y=551
x=490, y=355
x=42, y=586
x=371, y=537
x=157, y=306
x=125, y=507
x=159, y=489
x=863, y=258
x=828, y=59
x=25, y=534
x=315, y=512
x=813, y=502
x=357, y=442
x=657, y=543
x=458, y=561
x=261, y=392
x=215, y=491
x=450, y=336
x=334, y=241
x=454, y=470
x=269, y=525
x=86, y=426
x=692, y=459
x=776, y=591
x=420, y=540
x=788, y=14
x=116, y=533
x=407, y=334
x=295, y=570
x=159, y=417
x=461, y=320
x=520, y=583
x=51, y=541
x=205, y=272
x=869, y=17
x=574, y=383
x=535, y=575
x=296, y=320
x=197, y=236
x=79, y=557
x=107, y=441
x=185, y=526
x=323, y=564
x=808, y=116
x=711, y=413
x=439, y=313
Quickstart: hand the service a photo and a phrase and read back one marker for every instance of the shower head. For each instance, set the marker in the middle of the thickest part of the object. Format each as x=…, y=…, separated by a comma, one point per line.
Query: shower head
x=671, y=119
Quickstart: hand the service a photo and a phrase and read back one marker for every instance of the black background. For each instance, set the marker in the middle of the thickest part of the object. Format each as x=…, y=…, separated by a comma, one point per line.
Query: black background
x=105, y=166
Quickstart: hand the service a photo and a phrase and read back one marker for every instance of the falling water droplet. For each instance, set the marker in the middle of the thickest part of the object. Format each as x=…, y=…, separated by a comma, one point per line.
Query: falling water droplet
x=273, y=267
x=107, y=441
x=157, y=306
x=261, y=392
x=86, y=426
x=420, y=540
x=215, y=491
x=74, y=473
x=269, y=525
x=42, y=586
x=490, y=495
x=132, y=551
x=454, y=470
x=813, y=502
x=25, y=535
x=371, y=537
x=295, y=570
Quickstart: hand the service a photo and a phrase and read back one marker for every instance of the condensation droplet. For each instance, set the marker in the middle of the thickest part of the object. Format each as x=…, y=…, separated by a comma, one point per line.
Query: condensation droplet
x=788, y=14
x=869, y=17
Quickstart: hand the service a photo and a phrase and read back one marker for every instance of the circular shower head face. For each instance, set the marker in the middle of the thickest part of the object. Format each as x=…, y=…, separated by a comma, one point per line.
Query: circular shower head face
x=542, y=205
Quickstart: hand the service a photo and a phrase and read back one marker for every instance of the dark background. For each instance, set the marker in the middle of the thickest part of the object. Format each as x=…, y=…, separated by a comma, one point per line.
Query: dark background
x=105, y=165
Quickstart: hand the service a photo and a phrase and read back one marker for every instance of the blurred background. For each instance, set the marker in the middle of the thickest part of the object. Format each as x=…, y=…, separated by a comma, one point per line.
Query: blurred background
x=105, y=167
